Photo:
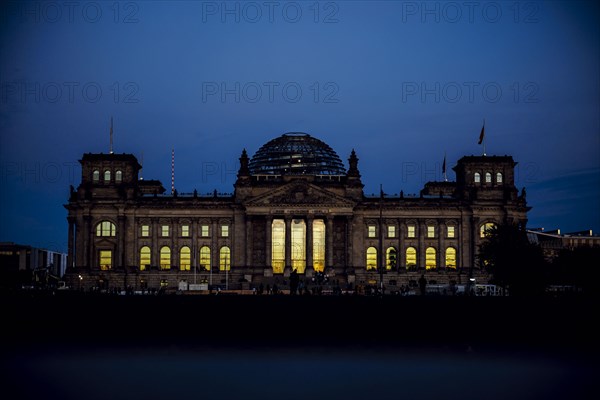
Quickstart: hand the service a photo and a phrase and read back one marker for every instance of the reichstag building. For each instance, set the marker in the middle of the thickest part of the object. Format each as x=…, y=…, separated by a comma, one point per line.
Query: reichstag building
x=295, y=206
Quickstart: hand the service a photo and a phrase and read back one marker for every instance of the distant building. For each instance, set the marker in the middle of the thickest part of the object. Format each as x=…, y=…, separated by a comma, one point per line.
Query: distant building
x=25, y=265
x=295, y=206
x=552, y=242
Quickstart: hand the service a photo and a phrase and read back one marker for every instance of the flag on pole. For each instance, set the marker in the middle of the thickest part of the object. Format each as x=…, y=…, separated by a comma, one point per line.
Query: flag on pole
x=482, y=134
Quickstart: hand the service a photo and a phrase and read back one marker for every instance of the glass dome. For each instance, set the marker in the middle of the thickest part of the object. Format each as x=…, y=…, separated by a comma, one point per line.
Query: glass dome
x=296, y=153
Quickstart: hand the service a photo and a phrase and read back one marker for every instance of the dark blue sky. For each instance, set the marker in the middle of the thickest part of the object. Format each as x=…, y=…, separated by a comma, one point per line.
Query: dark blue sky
x=400, y=82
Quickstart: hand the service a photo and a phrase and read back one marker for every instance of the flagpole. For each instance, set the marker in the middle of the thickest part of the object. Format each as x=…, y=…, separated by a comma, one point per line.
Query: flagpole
x=444, y=168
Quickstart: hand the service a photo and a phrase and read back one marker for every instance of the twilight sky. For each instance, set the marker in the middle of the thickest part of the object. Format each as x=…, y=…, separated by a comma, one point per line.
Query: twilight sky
x=401, y=82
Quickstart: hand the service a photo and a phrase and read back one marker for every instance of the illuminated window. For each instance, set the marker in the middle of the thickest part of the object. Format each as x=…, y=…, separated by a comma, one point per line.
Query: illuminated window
x=185, y=230
x=411, y=231
x=225, y=259
x=96, y=175
x=488, y=177
x=499, y=177
x=430, y=231
x=391, y=231
x=477, y=177
x=164, y=231
x=204, y=230
x=105, y=260
x=205, y=258
x=119, y=176
x=165, y=257
x=411, y=257
x=450, y=232
x=319, y=245
x=298, y=245
x=105, y=228
x=430, y=258
x=371, y=231
x=106, y=176
x=185, y=258
x=145, y=258
x=390, y=258
x=484, y=230
x=451, y=257
x=278, y=245
x=371, y=258
x=224, y=230
x=145, y=230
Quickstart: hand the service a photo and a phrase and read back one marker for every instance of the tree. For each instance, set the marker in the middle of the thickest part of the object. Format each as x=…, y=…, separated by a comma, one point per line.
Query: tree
x=513, y=261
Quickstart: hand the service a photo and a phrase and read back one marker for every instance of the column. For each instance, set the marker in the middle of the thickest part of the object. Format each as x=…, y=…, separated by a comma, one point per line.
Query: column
x=329, y=242
x=195, y=249
x=87, y=240
x=309, y=241
x=288, y=242
x=421, y=232
x=121, y=233
x=214, y=244
x=249, y=242
x=154, y=225
x=441, y=256
x=71, y=244
x=348, y=238
x=268, y=240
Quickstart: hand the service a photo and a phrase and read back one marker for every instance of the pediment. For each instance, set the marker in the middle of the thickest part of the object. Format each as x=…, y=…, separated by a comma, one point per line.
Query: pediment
x=300, y=194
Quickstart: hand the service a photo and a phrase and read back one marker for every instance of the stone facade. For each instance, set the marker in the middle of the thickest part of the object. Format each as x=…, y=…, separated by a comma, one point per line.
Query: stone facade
x=114, y=217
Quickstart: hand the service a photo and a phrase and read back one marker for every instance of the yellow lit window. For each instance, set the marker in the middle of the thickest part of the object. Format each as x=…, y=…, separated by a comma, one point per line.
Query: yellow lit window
x=145, y=258
x=278, y=245
x=431, y=231
x=430, y=262
x=371, y=258
x=165, y=257
x=105, y=260
x=185, y=258
x=390, y=258
x=391, y=231
x=411, y=257
x=224, y=230
x=484, y=230
x=319, y=245
x=371, y=231
x=225, y=259
x=298, y=234
x=164, y=231
x=204, y=230
x=105, y=228
x=185, y=230
x=205, y=258
x=451, y=232
x=145, y=230
x=451, y=257
x=411, y=231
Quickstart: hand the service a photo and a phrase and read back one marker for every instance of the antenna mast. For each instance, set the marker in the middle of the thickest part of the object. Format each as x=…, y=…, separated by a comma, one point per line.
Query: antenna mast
x=172, y=171
x=111, y=135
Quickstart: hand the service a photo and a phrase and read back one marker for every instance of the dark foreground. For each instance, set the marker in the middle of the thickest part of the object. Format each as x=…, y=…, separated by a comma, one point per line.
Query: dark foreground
x=244, y=347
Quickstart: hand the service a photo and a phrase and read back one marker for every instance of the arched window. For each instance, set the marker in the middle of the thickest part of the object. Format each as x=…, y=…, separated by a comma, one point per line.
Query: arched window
x=488, y=177
x=225, y=259
x=411, y=258
x=430, y=258
x=476, y=177
x=391, y=258
x=119, y=176
x=205, y=258
x=185, y=258
x=371, y=258
x=165, y=257
x=96, y=175
x=145, y=258
x=499, y=177
x=105, y=228
x=484, y=230
x=451, y=257
x=107, y=176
